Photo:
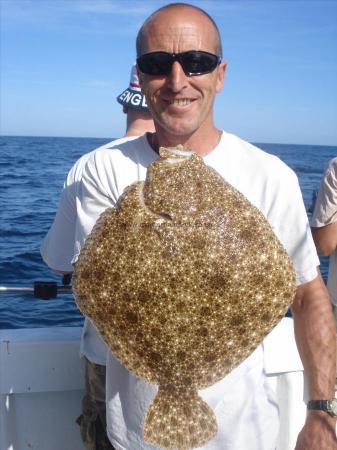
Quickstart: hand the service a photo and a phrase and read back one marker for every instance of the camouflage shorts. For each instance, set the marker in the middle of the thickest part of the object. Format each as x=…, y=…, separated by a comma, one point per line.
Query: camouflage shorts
x=92, y=422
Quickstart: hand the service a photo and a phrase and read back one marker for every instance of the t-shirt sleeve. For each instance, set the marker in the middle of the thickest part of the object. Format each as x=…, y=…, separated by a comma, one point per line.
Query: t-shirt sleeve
x=97, y=192
x=57, y=248
x=325, y=211
x=289, y=221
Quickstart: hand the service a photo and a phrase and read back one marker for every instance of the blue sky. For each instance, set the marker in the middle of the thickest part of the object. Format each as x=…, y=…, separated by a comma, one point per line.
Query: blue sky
x=63, y=62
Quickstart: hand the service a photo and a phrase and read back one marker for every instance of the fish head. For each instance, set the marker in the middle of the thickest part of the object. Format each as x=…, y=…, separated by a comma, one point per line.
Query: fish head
x=173, y=185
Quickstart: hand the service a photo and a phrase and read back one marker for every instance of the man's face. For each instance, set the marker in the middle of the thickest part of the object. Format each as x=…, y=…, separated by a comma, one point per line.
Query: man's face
x=181, y=104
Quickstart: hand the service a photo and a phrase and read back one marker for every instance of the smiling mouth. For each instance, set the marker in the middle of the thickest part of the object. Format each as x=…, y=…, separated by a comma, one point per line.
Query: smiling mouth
x=180, y=101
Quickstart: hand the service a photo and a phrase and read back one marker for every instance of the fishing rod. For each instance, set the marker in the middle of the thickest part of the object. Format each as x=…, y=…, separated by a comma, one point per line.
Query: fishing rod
x=43, y=290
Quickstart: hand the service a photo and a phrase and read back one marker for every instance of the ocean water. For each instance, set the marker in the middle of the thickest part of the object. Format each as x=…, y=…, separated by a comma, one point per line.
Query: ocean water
x=32, y=171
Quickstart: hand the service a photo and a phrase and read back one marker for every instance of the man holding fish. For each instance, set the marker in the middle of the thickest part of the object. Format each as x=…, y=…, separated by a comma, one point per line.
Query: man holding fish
x=181, y=69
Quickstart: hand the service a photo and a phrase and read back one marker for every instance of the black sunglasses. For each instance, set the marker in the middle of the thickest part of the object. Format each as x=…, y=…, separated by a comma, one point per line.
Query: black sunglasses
x=193, y=62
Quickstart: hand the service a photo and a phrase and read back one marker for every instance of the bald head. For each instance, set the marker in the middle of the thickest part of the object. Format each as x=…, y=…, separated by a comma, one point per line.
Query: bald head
x=172, y=14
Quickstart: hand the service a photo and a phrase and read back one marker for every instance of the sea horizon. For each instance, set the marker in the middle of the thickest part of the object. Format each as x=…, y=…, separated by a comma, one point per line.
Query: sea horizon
x=255, y=142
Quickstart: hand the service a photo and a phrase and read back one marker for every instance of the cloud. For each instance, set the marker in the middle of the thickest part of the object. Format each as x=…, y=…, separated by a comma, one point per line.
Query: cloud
x=112, y=7
x=74, y=16
x=35, y=10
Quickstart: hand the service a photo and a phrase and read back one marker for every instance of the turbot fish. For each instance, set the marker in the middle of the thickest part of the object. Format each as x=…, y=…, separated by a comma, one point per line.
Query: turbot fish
x=183, y=278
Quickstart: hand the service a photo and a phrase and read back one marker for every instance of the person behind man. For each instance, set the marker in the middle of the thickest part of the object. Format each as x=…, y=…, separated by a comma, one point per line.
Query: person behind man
x=181, y=70
x=138, y=118
x=57, y=251
x=324, y=226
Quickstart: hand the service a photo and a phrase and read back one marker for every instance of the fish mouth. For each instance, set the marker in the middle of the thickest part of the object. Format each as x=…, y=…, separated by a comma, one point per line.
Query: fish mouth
x=173, y=155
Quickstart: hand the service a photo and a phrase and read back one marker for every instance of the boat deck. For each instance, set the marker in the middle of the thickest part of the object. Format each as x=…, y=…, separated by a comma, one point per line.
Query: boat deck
x=41, y=388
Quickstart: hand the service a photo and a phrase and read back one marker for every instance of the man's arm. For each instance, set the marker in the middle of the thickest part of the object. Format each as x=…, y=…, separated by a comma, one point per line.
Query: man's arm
x=325, y=238
x=316, y=341
x=324, y=217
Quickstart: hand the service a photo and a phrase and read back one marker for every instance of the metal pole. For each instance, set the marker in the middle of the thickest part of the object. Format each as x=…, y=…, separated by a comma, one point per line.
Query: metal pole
x=44, y=290
x=15, y=290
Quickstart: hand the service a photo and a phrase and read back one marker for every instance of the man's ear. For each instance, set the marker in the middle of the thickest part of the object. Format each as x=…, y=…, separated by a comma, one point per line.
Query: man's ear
x=221, y=76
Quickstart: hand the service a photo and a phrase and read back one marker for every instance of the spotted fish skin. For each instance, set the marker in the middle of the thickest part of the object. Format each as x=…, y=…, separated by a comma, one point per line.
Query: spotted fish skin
x=183, y=279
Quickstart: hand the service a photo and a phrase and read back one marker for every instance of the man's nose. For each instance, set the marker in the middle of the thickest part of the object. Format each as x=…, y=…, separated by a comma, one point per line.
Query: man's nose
x=177, y=79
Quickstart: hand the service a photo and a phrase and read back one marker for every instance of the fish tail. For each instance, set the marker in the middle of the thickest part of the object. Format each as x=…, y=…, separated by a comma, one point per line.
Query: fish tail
x=179, y=420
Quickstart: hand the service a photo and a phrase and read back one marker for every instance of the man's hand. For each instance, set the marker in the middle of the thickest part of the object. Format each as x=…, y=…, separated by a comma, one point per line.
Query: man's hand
x=318, y=433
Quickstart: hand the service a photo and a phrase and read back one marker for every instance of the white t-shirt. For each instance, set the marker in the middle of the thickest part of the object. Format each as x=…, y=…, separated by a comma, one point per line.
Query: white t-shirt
x=325, y=212
x=62, y=242
x=273, y=188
